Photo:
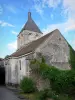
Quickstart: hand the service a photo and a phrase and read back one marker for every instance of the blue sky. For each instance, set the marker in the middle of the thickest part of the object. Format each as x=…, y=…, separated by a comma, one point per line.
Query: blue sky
x=48, y=15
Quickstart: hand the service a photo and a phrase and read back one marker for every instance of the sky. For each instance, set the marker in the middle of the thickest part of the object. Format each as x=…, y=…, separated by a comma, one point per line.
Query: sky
x=47, y=14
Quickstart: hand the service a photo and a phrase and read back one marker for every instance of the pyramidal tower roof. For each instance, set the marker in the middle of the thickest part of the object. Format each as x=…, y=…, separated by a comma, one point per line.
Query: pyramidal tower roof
x=31, y=25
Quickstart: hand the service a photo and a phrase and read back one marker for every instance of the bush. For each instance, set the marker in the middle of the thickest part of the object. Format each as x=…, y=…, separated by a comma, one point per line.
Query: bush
x=65, y=82
x=27, y=85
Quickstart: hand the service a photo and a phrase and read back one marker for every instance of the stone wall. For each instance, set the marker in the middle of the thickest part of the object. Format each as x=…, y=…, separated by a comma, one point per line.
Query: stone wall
x=55, y=51
x=27, y=36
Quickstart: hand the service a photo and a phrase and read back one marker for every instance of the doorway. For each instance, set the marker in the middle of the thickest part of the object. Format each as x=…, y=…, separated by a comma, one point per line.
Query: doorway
x=2, y=76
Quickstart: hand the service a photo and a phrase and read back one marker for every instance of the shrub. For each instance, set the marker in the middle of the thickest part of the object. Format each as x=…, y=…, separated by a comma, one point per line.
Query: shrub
x=65, y=82
x=27, y=85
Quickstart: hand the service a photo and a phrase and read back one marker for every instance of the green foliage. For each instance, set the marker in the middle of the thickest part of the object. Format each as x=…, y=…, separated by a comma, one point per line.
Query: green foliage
x=62, y=81
x=27, y=85
x=34, y=66
x=50, y=94
x=65, y=82
x=47, y=95
x=64, y=97
x=6, y=56
x=72, y=57
x=49, y=72
x=42, y=59
x=43, y=95
x=33, y=61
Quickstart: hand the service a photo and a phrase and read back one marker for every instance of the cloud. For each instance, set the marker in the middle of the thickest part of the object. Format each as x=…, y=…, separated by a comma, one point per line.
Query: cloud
x=13, y=32
x=70, y=4
x=12, y=46
x=1, y=10
x=52, y=27
x=38, y=9
x=3, y=24
x=40, y=5
x=69, y=8
x=70, y=25
x=51, y=3
x=63, y=27
x=73, y=43
x=10, y=8
x=52, y=16
x=69, y=28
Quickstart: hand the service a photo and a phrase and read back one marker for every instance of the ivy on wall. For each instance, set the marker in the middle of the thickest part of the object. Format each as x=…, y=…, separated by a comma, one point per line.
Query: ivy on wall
x=72, y=57
x=61, y=81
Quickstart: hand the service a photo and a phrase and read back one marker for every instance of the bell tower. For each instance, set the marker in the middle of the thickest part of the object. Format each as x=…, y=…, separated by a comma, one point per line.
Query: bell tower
x=28, y=33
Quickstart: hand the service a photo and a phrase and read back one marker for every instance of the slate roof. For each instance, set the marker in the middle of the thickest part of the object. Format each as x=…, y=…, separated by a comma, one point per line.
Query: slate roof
x=31, y=46
x=30, y=25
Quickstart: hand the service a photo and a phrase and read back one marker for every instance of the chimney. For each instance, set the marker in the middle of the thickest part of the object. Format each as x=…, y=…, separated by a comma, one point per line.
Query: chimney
x=29, y=15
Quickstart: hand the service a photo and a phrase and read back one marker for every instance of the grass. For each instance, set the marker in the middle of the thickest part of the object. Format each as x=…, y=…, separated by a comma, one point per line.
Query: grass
x=35, y=96
x=65, y=97
x=30, y=96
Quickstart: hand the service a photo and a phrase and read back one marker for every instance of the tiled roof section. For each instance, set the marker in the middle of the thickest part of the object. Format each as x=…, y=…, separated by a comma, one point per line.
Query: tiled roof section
x=32, y=46
x=30, y=25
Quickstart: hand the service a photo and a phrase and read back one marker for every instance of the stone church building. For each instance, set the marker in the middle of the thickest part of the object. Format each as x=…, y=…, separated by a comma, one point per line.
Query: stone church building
x=30, y=43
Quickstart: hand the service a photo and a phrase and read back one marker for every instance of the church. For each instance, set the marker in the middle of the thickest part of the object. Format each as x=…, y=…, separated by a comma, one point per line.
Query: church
x=30, y=44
